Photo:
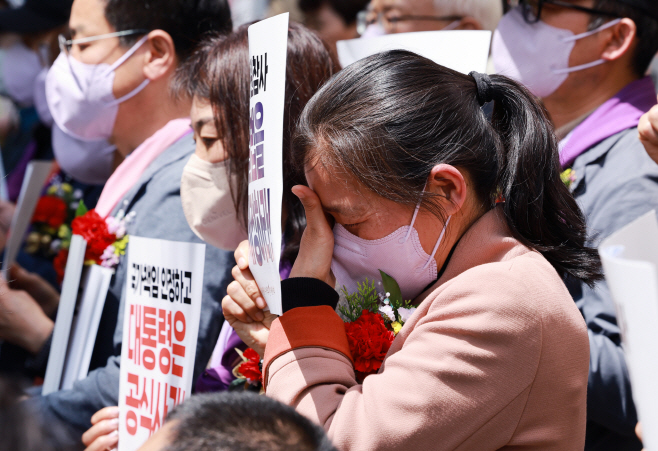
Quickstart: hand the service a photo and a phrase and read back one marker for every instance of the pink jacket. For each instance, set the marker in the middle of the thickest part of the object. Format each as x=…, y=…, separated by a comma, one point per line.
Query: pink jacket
x=495, y=357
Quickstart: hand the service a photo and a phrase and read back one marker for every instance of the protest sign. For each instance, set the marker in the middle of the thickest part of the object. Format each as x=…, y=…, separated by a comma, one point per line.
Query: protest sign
x=630, y=262
x=89, y=308
x=35, y=178
x=460, y=50
x=268, y=48
x=65, y=313
x=160, y=328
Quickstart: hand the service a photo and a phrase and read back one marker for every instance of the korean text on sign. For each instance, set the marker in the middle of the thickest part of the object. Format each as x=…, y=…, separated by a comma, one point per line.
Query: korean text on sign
x=161, y=323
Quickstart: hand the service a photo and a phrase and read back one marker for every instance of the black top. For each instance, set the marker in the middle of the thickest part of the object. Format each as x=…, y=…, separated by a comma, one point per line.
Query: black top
x=35, y=16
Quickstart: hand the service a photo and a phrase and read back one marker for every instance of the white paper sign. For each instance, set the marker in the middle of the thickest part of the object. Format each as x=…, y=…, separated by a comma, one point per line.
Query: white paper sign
x=160, y=329
x=35, y=178
x=65, y=313
x=89, y=309
x=268, y=48
x=630, y=262
x=460, y=50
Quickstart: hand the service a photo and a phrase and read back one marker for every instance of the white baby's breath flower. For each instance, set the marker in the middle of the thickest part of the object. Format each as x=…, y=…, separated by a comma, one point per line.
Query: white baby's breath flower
x=387, y=310
x=405, y=313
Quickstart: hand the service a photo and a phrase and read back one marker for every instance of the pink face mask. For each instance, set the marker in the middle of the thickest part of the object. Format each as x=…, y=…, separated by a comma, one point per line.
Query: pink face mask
x=400, y=255
x=80, y=96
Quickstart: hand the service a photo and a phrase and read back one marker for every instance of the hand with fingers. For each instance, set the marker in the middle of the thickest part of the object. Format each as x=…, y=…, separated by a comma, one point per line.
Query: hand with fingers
x=244, y=304
x=648, y=129
x=317, y=247
x=22, y=321
x=104, y=432
x=37, y=287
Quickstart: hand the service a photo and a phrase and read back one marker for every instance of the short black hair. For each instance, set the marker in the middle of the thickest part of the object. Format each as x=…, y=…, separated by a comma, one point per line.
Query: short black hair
x=346, y=9
x=647, y=31
x=186, y=21
x=242, y=422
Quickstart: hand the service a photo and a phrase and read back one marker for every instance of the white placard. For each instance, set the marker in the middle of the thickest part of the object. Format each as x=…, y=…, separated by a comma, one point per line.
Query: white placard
x=4, y=190
x=35, y=178
x=630, y=262
x=94, y=285
x=268, y=48
x=160, y=328
x=460, y=50
x=65, y=313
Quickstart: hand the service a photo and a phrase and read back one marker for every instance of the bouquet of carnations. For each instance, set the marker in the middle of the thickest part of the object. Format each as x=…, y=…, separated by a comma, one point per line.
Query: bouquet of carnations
x=372, y=321
x=248, y=372
x=106, y=239
x=50, y=230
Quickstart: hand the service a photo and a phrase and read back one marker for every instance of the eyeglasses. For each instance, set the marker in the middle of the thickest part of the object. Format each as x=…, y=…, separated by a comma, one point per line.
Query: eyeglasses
x=532, y=9
x=65, y=45
x=366, y=18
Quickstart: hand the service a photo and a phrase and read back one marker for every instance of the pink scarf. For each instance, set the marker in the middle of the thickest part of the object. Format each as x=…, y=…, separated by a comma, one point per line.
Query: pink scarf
x=129, y=172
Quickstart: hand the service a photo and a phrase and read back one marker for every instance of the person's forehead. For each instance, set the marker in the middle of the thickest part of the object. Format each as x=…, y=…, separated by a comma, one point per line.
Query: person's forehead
x=337, y=191
x=411, y=5
x=88, y=18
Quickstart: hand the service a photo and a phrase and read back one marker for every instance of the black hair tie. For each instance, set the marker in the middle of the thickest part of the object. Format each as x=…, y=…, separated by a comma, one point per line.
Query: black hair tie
x=485, y=88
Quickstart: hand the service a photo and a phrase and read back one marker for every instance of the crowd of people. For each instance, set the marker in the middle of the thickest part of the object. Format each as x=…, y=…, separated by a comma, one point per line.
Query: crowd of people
x=483, y=195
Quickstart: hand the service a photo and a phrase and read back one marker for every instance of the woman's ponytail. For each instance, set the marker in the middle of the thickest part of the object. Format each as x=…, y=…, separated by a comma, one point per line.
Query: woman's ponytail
x=539, y=209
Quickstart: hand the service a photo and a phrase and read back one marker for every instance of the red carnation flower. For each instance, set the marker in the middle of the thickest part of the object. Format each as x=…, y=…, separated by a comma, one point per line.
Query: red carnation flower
x=50, y=210
x=369, y=342
x=251, y=368
x=60, y=264
x=94, y=230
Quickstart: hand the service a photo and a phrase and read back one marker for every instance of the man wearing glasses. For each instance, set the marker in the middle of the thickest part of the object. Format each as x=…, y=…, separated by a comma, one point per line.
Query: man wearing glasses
x=402, y=16
x=586, y=60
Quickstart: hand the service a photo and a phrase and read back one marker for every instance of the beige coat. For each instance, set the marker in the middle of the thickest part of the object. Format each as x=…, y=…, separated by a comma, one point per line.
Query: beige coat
x=495, y=357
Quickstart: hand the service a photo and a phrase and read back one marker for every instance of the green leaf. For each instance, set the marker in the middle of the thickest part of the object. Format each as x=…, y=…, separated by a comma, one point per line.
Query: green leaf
x=82, y=209
x=392, y=288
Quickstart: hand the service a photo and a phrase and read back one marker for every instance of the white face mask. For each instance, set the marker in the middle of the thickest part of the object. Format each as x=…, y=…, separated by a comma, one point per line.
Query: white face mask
x=208, y=206
x=537, y=55
x=89, y=162
x=80, y=96
x=400, y=255
x=20, y=68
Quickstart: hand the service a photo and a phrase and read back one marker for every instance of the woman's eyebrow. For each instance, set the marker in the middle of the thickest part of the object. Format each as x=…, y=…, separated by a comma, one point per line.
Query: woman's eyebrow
x=198, y=125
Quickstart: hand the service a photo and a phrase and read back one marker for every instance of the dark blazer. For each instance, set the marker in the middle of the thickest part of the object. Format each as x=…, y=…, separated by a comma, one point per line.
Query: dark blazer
x=616, y=183
x=159, y=214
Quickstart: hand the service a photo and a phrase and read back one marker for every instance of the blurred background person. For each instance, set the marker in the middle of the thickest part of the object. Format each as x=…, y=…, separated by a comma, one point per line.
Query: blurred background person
x=334, y=20
x=587, y=62
x=402, y=16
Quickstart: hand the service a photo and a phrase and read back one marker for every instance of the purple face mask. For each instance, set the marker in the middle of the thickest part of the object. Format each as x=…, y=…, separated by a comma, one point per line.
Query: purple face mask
x=537, y=55
x=400, y=255
x=86, y=161
x=80, y=96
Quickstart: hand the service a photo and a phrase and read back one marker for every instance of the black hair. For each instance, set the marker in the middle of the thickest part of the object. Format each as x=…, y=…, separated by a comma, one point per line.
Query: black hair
x=647, y=30
x=242, y=422
x=346, y=9
x=186, y=21
x=388, y=119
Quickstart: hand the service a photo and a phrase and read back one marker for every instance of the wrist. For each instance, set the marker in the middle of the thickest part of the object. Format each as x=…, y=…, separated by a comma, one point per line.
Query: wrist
x=41, y=331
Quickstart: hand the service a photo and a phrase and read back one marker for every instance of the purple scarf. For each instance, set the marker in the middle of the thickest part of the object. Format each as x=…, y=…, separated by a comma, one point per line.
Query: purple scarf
x=619, y=113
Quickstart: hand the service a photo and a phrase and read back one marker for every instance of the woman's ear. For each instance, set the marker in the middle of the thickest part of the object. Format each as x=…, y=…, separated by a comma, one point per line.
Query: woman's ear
x=450, y=185
x=161, y=59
